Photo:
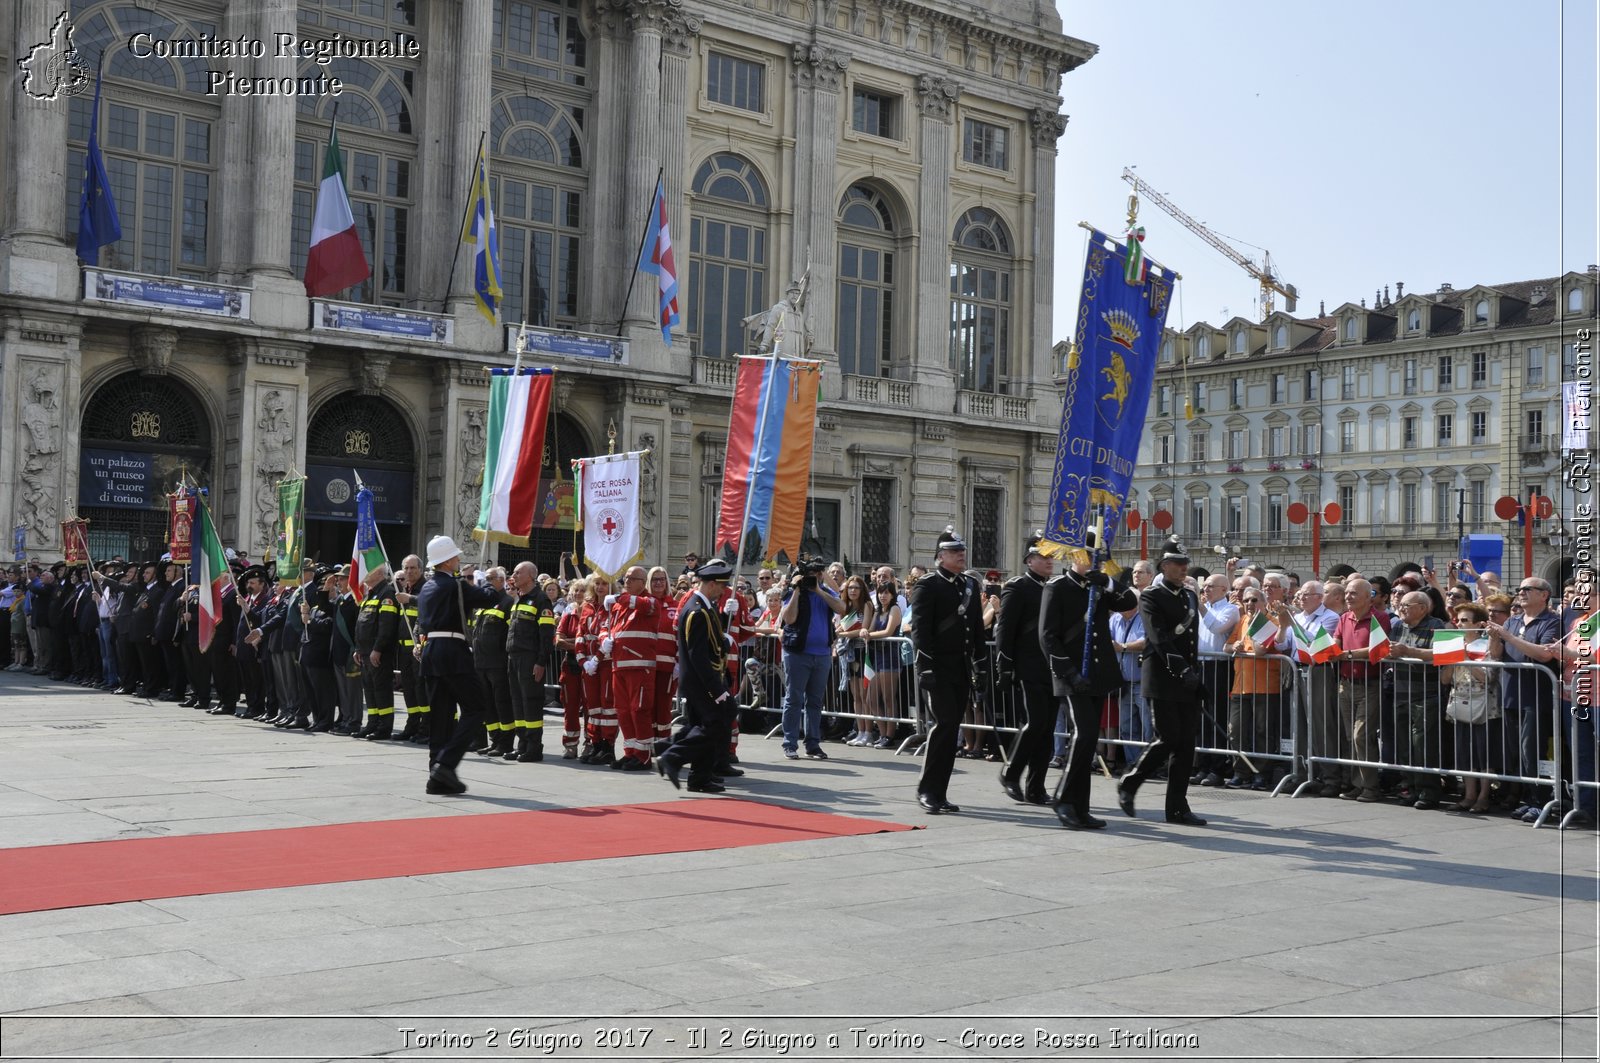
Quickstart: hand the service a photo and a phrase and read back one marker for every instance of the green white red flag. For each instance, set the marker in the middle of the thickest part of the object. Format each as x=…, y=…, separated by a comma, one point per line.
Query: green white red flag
x=1378, y=644
x=1449, y=646
x=1262, y=631
x=213, y=574
x=335, y=260
x=519, y=406
x=1315, y=646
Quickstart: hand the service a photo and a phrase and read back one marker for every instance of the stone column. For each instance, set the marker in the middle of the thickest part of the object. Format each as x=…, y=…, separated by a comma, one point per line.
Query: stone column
x=264, y=424
x=457, y=432
x=605, y=272
x=473, y=330
x=1036, y=357
x=936, y=97
x=646, y=140
x=676, y=43
x=233, y=151
x=819, y=72
x=436, y=213
x=40, y=355
x=37, y=262
x=277, y=296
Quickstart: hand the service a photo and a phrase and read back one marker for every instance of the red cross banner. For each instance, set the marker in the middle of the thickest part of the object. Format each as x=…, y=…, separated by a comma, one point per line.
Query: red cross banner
x=608, y=511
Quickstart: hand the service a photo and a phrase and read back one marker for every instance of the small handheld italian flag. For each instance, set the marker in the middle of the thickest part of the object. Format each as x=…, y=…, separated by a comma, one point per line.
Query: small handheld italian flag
x=1313, y=647
x=1589, y=630
x=1378, y=644
x=1449, y=646
x=1262, y=631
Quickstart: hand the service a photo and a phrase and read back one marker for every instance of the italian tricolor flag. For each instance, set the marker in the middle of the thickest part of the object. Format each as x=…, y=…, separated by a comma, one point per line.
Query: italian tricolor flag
x=1449, y=646
x=362, y=562
x=1378, y=643
x=519, y=405
x=1314, y=647
x=212, y=574
x=1262, y=631
x=335, y=260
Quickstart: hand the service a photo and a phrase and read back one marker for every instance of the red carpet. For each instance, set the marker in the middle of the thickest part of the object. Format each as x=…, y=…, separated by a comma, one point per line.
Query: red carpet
x=42, y=877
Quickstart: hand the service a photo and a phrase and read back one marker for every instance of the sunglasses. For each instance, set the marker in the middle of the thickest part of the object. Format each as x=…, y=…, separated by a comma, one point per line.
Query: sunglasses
x=1252, y=601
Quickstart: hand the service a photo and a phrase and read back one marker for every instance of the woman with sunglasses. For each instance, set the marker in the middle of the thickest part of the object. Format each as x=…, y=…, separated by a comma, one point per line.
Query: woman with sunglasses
x=883, y=663
x=1474, y=702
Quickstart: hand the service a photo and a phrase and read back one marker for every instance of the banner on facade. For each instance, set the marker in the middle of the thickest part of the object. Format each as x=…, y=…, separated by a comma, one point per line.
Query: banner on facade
x=75, y=540
x=180, y=523
x=590, y=347
x=1108, y=378
x=217, y=300
x=766, y=474
x=124, y=479
x=608, y=501
x=330, y=493
x=382, y=321
x=1577, y=404
x=291, y=544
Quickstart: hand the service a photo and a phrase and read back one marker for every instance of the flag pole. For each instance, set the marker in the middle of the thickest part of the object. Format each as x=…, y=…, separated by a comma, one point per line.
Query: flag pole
x=638, y=256
x=461, y=230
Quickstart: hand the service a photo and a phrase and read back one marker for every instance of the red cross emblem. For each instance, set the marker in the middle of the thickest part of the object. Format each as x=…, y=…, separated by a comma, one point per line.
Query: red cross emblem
x=610, y=526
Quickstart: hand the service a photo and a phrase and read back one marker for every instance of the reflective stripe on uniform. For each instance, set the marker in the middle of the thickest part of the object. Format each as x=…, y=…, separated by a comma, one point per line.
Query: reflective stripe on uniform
x=498, y=613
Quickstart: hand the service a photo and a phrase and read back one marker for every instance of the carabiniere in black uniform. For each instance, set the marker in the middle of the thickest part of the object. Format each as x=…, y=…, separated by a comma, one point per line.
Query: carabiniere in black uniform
x=709, y=705
x=447, y=670
x=1021, y=660
x=947, y=633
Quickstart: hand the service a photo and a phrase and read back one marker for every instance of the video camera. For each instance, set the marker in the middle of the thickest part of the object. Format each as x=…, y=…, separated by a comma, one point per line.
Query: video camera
x=808, y=568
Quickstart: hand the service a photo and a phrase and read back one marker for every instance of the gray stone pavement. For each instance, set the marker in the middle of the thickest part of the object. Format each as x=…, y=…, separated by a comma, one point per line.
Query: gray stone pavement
x=1311, y=928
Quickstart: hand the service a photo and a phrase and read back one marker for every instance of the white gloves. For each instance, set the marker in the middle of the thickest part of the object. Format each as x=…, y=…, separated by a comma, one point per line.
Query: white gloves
x=610, y=600
x=731, y=606
x=591, y=666
x=605, y=645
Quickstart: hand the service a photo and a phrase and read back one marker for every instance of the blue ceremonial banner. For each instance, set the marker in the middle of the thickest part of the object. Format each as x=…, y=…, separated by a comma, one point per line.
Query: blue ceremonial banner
x=1108, y=377
x=366, y=522
x=19, y=542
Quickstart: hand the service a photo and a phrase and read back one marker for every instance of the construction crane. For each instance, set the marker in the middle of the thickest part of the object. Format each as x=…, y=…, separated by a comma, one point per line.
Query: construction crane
x=1262, y=273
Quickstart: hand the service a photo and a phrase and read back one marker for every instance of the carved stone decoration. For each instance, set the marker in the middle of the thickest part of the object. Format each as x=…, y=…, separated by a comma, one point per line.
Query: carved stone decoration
x=647, y=493
x=151, y=348
x=474, y=439
x=274, y=454
x=886, y=28
x=939, y=40
x=969, y=53
x=936, y=96
x=1024, y=67
x=650, y=16
x=1047, y=127
x=41, y=455
x=372, y=372
x=561, y=392
x=913, y=31
x=820, y=67
x=858, y=18
x=935, y=432
x=830, y=13
x=678, y=33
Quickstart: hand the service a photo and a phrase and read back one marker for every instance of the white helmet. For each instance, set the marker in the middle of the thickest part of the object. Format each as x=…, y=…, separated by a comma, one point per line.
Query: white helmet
x=442, y=548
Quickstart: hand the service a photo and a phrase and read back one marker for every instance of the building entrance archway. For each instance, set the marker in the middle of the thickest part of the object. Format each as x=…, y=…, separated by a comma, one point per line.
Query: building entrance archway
x=354, y=435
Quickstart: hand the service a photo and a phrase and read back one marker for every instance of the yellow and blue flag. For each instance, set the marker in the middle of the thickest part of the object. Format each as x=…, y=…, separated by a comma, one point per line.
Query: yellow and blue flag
x=480, y=231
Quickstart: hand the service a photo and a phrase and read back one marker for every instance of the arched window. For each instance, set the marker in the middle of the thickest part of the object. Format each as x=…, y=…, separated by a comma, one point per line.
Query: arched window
x=536, y=168
x=1280, y=337
x=380, y=156
x=866, y=282
x=1351, y=329
x=155, y=135
x=1414, y=320
x=1575, y=301
x=1238, y=342
x=1202, y=347
x=727, y=253
x=980, y=302
x=1480, y=312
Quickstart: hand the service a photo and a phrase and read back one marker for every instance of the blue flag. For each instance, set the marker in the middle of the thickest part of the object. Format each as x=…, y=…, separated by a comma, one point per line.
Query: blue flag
x=1108, y=378
x=484, y=237
x=98, y=224
x=366, y=521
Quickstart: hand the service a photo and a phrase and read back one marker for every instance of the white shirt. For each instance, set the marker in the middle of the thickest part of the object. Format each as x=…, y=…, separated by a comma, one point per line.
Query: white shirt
x=1217, y=621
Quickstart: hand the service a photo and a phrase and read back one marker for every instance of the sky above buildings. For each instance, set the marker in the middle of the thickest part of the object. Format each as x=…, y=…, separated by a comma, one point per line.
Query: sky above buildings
x=1361, y=142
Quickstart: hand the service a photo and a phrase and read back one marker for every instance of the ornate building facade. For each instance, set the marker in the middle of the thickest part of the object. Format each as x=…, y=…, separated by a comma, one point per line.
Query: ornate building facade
x=899, y=155
x=1413, y=414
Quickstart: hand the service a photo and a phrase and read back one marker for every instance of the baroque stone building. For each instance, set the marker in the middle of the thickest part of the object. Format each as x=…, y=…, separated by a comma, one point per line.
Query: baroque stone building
x=900, y=155
x=1413, y=414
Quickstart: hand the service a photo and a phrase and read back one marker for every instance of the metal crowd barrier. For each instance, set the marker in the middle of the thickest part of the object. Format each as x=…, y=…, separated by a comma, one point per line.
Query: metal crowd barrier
x=1582, y=714
x=1416, y=723
x=894, y=710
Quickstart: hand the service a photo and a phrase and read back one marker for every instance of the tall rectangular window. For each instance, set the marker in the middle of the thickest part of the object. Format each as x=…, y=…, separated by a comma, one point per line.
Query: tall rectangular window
x=1410, y=385
x=984, y=143
x=1535, y=360
x=1276, y=437
x=1447, y=429
x=1236, y=515
x=1311, y=440
x=875, y=113
x=1312, y=383
x=1238, y=447
x=1480, y=369
x=540, y=230
x=1274, y=514
x=877, y=518
x=1443, y=506
x=1447, y=372
x=1236, y=393
x=1480, y=426
x=1408, y=505
x=1533, y=420
x=1478, y=502
x=1199, y=446
x=1347, y=503
x=1164, y=448
x=1163, y=400
x=984, y=549
x=821, y=538
x=1280, y=389
x=1347, y=437
x=1347, y=382
x=736, y=82
x=1408, y=432
x=380, y=198
x=1197, y=516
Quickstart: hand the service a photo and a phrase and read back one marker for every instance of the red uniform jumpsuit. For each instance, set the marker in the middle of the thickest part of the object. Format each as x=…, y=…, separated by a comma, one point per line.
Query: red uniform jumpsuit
x=631, y=627
x=568, y=637
x=666, y=662
x=602, y=729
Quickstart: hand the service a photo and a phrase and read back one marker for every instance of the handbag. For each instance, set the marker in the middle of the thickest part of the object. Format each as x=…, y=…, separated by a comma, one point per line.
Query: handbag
x=1469, y=699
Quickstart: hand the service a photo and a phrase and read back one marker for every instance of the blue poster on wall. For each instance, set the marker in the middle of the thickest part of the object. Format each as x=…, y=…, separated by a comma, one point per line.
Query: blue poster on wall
x=331, y=493
x=120, y=479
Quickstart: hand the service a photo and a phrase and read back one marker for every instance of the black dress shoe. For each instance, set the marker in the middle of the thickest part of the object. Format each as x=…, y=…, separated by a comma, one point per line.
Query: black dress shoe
x=1073, y=820
x=442, y=780
x=534, y=754
x=1012, y=789
x=319, y=729
x=1125, y=800
x=668, y=768
x=1037, y=797
x=1185, y=818
x=728, y=771
x=930, y=806
x=946, y=806
x=706, y=787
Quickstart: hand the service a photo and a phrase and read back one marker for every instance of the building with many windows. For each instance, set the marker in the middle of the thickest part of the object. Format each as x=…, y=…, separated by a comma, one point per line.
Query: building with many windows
x=898, y=154
x=1413, y=415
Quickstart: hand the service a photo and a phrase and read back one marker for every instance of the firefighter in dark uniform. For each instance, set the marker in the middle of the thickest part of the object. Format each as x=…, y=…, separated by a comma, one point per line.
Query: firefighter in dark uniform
x=709, y=706
x=377, y=643
x=947, y=633
x=442, y=608
x=1170, y=675
x=489, y=628
x=410, y=581
x=1020, y=659
x=1063, y=612
x=530, y=646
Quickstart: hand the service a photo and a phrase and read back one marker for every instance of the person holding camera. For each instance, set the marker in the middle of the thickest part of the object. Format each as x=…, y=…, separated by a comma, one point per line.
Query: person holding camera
x=807, y=621
x=1172, y=682
x=948, y=637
